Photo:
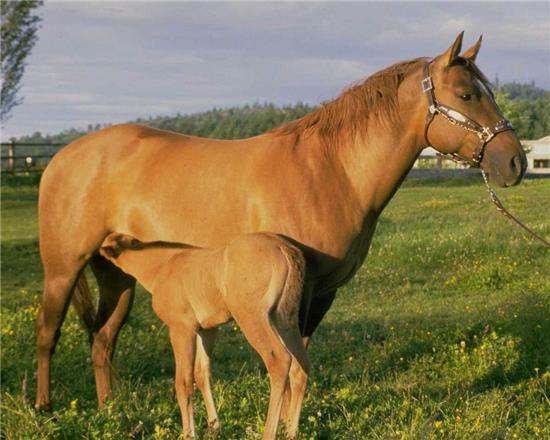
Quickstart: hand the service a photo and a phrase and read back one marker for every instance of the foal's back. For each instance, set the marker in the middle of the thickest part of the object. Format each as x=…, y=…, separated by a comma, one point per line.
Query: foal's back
x=264, y=270
x=253, y=272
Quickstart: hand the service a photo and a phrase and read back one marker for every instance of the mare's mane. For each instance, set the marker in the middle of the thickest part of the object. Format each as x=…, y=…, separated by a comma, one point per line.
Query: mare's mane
x=343, y=117
x=472, y=67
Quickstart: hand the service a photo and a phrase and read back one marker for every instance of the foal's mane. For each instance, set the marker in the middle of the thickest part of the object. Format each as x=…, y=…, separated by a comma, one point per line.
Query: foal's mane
x=343, y=117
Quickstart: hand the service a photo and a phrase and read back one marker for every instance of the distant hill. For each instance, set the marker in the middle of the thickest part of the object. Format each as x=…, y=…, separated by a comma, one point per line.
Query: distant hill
x=527, y=106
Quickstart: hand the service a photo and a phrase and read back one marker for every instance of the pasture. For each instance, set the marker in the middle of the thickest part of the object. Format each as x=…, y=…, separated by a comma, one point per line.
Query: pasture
x=444, y=333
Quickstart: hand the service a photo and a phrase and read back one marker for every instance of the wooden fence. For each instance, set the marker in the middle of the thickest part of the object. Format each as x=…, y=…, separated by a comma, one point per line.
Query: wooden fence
x=23, y=157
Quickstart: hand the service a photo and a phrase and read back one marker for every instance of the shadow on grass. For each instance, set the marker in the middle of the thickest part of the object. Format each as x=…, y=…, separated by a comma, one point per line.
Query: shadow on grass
x=527, y=322
x=531, y=327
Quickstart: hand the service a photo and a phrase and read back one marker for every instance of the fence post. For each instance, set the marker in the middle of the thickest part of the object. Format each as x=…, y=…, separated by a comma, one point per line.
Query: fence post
x=11, y=155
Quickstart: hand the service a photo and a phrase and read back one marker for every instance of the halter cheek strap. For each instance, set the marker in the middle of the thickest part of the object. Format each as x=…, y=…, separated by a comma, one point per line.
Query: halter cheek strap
x=485, y=133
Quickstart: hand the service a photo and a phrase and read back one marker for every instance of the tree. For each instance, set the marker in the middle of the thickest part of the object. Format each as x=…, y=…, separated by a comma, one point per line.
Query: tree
x=530, y=117
x=18, y=35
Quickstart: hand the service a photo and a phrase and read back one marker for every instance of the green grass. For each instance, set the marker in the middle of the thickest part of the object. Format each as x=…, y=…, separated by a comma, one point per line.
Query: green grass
x=444, y=333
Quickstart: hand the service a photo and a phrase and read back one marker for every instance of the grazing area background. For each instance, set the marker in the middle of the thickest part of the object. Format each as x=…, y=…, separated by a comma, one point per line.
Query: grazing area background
x=443, y=333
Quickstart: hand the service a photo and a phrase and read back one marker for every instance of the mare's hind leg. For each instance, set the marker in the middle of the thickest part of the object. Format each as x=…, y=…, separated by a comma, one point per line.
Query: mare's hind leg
x=203, y=370
x=294, y=393
x=59, y=280
x=116, y=296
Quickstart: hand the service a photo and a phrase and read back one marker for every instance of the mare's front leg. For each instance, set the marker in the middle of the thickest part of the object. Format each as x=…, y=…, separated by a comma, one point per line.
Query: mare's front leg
x=203, y=370
x=116, y=296
x=297, y=383
x=183, y=341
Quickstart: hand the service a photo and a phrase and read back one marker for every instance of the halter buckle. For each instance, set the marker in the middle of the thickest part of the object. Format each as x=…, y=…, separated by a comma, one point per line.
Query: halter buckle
x=427, y=84
x=486, y=134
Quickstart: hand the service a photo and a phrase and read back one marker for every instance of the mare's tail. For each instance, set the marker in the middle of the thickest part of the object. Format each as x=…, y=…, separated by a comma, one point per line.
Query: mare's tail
x=288, y=307
x=83, y=304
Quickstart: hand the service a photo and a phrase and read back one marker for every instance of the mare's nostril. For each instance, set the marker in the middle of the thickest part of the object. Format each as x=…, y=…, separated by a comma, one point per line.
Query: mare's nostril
x=516, y=165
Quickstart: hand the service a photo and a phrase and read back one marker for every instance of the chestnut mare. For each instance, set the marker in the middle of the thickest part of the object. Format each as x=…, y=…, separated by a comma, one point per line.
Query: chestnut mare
x=321, y=181
x=196, y=290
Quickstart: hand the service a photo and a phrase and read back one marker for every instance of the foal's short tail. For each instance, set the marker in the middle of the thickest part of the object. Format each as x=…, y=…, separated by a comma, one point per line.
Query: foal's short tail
x=83, y=304
x=288, y=307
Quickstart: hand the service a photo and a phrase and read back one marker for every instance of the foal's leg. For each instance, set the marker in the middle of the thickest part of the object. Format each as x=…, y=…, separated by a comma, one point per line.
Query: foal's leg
x=183, y=341
x=294, y=393
x=267, y=342
x=298, y=375
x=203, y=370
x=116, y=296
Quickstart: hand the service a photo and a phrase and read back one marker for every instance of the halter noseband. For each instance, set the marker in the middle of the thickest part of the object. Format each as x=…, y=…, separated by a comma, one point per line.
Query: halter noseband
x=485, y=133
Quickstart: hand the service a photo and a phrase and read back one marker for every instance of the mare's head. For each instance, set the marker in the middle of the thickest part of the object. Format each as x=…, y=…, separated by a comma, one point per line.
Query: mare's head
x=464, y=119
x=115, y=243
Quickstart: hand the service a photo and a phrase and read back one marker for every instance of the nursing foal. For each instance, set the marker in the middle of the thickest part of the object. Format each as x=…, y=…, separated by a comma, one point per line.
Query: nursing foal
x=257, y=279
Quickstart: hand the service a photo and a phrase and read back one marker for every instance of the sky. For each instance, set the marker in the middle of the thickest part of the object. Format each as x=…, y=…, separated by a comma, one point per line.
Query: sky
x=109, y=62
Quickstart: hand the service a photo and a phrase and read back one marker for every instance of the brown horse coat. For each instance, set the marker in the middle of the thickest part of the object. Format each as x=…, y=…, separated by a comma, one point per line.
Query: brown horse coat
x=321, y=181
x=257, y=279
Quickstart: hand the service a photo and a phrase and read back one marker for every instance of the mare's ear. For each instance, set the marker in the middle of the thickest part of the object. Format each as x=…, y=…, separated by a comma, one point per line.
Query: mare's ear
x=471, y=53
x=452, y=52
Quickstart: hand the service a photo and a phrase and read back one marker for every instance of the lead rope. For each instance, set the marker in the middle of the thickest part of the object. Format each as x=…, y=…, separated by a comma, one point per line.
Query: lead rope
x=500, y=207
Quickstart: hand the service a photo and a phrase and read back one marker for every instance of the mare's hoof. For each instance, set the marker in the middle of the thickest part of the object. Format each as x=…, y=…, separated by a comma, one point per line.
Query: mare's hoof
x=45, y=407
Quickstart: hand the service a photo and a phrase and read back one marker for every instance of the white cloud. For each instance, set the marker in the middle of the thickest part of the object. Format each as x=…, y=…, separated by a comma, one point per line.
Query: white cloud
x=101, y=61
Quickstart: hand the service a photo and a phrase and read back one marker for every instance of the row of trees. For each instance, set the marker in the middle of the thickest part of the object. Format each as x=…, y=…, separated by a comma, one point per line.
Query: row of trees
x=229, y=123
x=526, y=106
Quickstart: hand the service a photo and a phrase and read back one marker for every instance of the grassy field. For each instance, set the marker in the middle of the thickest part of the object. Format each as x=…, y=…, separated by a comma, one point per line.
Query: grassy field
x=444, y=333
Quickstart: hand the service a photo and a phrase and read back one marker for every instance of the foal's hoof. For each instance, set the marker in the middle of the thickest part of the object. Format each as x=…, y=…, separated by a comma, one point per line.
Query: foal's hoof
x=213, y=429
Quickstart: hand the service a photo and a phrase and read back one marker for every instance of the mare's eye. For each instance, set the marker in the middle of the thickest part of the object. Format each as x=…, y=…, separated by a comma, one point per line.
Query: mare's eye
x=466, y=97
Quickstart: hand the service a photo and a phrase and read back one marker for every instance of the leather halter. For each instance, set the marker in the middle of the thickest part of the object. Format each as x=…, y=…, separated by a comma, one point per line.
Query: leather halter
x=485, y=133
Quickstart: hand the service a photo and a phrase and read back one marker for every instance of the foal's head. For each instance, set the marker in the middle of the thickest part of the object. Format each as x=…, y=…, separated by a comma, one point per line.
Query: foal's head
x=470, y=124
x=115, y=243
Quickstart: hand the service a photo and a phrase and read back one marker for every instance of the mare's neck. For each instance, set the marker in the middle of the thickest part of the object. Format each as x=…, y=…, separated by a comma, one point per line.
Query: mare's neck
x=377, y=163
x=144, y=264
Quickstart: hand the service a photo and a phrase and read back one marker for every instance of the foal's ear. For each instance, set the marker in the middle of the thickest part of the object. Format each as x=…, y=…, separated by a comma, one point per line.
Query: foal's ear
x=109, y=251
x=471, y=53
x=454, y=51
